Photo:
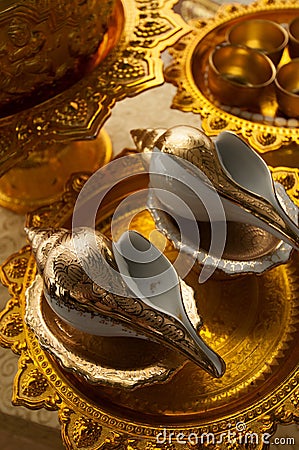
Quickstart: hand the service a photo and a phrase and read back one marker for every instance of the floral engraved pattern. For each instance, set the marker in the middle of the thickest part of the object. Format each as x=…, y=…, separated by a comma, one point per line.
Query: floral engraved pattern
x=17, y=268
x=149, y=27
x=74, y=112
x=12, y=325
x=128, y=68
x=34, y=384
x=217, y=123
x=86, y=432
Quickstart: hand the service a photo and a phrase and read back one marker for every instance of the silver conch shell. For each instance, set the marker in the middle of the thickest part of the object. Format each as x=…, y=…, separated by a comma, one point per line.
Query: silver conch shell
x=144, y=307
x=237, y=173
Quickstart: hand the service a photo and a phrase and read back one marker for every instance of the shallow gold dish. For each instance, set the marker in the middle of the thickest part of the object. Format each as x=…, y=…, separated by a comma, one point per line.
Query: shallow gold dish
x=264, y=127
x=258, y=391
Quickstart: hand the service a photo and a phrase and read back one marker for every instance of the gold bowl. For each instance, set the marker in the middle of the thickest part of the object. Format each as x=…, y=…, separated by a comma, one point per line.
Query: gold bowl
x=287, y=88
x=47, y=44
x=294, y=37
x=266, y=36
x=238, y=75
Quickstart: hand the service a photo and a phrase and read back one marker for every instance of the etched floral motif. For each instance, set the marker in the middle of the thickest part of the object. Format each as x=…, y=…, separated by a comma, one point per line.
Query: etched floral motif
x=149, y=27
x=12, y=325
x=217, y=123
x=86, y=432
x=128, y=68
x=73, y=112
x=16, y=268
x=121, y=441
x=34, y=384
x=84, y=106
x=43, y=41
x=117, y=441
x=287, y=180
x=266, y=139
x=295, y=398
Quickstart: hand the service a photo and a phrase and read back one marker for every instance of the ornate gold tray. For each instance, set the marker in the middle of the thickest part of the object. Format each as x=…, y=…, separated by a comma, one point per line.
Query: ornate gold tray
x=127, y=62
x=252, y=322
x=265, y=129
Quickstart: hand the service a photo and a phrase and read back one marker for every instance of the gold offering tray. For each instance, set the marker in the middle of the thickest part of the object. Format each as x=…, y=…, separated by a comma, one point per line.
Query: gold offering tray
x=265, y=128
x=252, y=322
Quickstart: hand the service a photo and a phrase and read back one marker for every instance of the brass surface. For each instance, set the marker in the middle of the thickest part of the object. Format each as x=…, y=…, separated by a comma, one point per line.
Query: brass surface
x=294, y=38
x=264, y=35
x=287, y=88
x=41, y=179
x=237, y=76
x=265, y=128
x=126, y=63
x=251, y=321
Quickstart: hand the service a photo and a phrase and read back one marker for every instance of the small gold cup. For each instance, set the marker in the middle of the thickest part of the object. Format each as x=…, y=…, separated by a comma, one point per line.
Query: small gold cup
x=238, y=75
x=264, y=35
x=287, y=88
x=294, y=38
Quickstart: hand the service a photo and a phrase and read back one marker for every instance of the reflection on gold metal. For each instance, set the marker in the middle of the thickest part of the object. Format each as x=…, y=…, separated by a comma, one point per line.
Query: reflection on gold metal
x=287, y=88
x=260, y=388
x=41, y=179
x=237, y=75
x=188, y=72
x=264, y=35
x=126, y=63
x=294, y=37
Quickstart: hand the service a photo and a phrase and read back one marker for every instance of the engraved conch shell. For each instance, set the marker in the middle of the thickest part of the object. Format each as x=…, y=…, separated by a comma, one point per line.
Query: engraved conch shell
x=238, y=174
x=141, y=293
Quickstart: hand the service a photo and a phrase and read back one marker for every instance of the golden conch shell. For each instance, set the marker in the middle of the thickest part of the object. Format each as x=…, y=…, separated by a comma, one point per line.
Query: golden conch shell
x=64, y=258
x=239, y=175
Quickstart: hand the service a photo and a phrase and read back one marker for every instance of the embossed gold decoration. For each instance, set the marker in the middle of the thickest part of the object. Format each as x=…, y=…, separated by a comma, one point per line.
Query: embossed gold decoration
x=132, y=46
x=126, y=62
x=264, y=129
x=259, y=390
x=44, y=43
